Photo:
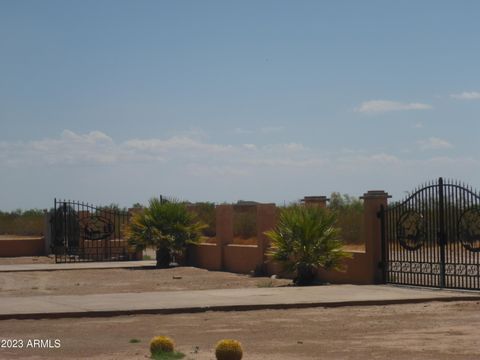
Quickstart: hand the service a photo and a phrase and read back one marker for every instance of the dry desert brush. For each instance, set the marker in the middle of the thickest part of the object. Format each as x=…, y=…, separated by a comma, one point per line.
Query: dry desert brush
x=306, y=238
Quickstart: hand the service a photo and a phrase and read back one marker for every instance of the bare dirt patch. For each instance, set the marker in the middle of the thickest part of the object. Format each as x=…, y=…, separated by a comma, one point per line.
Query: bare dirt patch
x=18, y=237
x=437, y=331
x=27, y=260
x=105, y=281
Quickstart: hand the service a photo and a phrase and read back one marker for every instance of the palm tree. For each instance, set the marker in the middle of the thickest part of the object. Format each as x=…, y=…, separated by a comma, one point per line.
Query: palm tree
x=166, y=225
x=305, y=239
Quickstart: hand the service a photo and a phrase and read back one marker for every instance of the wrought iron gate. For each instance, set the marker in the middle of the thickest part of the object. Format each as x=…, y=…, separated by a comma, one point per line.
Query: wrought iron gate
x=82, y=232
x=432, y=238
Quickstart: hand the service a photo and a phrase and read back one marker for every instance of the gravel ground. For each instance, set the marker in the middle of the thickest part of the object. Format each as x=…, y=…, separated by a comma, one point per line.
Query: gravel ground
x=437, y=331
x=27, y=260
x=105, y=281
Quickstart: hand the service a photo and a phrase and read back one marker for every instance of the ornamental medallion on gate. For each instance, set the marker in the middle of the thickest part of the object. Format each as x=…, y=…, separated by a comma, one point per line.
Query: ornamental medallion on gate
x=469, y=229
x=96, y=227
x=411, y=230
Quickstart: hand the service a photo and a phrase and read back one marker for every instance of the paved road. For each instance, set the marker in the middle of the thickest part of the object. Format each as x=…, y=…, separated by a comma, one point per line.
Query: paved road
x=220, y=300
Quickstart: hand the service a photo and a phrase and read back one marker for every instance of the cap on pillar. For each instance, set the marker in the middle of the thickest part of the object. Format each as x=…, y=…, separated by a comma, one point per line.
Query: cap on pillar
x=375, y=194
x=316, y=200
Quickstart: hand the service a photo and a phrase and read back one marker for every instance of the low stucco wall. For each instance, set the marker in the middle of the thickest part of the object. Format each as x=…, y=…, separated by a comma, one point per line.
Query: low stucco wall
x=22, y=247
x=357, y=271
x=242, y=258
x=205, y=256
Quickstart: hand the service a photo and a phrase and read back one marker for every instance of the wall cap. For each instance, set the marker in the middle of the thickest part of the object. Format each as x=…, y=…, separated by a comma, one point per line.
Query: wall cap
x=375, y=194
x=315, y=198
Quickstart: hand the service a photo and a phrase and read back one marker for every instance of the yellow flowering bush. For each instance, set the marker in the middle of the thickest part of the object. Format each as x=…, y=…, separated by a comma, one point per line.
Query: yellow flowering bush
x=161, y=343
x=228, y=349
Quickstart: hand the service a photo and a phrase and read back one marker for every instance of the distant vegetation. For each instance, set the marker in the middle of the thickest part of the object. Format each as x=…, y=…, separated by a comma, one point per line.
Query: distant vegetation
x=348, y=210
x=19, y=222
x=205, y=212
x=349, y=213
x=245, y=221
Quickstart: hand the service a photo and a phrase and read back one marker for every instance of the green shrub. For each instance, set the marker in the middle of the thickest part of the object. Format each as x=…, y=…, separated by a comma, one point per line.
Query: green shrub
x=166, y=225
x=228, y=349
x=305, y=239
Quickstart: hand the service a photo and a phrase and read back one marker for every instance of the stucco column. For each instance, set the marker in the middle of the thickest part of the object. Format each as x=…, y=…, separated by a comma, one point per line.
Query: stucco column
x=266, y=220
x=372, y=202
x=224, y=228
x=224, y=224
x=320, y=201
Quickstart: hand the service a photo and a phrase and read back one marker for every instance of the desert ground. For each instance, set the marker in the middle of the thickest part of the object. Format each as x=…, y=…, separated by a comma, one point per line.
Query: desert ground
x=413, y=331
x=105, y=281
x=421, y=331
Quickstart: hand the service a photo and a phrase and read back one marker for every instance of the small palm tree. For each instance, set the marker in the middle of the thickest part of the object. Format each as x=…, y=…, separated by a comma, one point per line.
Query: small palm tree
x=305, y=239
x=166, y=225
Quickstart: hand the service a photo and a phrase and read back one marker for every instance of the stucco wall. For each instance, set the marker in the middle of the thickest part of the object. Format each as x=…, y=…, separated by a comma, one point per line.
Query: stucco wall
x=356, y=271
x=205, y=256
x=242, y=258
x=361, y=268
x=22, y=247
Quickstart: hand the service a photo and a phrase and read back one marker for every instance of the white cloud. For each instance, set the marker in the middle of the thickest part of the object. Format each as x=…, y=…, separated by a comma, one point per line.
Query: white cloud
x=193, y=169
x=175, y=143
x=181, y=161
x=380, y=106
x=97, y=148
x=418, y=125
x=250, y=146
x=473, y=95
x=434, y=143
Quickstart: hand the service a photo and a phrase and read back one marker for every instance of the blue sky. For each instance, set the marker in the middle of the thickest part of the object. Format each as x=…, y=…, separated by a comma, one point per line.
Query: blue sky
x=118, y=101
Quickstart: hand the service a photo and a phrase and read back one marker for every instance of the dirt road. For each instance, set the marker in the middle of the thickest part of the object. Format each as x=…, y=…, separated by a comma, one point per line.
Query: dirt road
x=437, y=331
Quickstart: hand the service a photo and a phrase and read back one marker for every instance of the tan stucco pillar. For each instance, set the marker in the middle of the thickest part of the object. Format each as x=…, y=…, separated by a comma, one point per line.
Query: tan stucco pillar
x=316, y=200
x=224, y=228
x=266, y=220
x=372, y=202
x=224, y=224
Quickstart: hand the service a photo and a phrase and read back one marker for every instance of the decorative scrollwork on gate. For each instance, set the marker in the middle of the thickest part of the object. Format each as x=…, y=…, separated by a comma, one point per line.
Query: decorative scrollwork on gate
x=426, y=268
x=472, y=270
x=450, y=269
x=436, y=269
x=411, y=230
x=469, y=229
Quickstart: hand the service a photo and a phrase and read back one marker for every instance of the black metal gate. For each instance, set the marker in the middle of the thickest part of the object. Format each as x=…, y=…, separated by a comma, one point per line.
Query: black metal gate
x=82, y=232
x=433, y=237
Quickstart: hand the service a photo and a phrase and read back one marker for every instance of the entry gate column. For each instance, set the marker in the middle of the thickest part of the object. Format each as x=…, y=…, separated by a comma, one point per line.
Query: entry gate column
x=373, y=201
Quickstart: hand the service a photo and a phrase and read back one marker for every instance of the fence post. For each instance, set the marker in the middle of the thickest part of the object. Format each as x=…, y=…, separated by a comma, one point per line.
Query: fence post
x=47, y=232
x=224, y=228
x=373, y=200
